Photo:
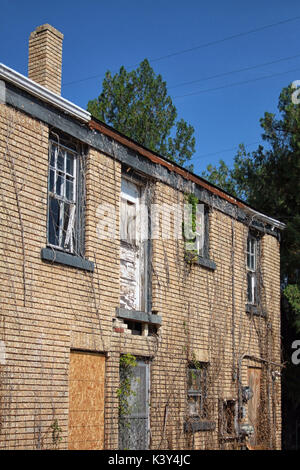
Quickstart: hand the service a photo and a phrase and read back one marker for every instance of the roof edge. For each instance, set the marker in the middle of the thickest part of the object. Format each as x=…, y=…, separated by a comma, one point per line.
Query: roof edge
x=43, y=93
x=104, y=128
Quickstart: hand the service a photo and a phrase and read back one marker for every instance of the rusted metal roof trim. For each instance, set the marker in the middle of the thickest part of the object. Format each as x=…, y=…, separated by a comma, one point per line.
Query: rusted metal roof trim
x=173, y=167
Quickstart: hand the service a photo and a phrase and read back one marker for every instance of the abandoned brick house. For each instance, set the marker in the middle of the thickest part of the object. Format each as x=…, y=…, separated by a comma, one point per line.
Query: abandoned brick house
x=198, y=331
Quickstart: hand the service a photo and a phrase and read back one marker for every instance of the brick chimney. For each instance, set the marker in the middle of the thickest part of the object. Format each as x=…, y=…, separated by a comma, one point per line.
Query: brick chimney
x=45, y=57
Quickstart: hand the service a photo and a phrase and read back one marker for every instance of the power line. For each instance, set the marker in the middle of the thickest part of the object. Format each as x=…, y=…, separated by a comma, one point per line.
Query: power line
x=201, y=46
x=228, y=38
x=236, y=84
x=235, y=71
x=226, y=150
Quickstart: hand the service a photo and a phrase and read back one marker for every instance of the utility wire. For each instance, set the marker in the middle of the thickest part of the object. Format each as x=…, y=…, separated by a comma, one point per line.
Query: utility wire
x=228, y=38
x=236, y=84
x=226, y=150
x=201, y=46
x=235, y=71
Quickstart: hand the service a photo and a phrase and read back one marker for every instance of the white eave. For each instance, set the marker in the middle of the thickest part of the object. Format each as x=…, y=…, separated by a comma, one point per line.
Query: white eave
x=265, y=218
x=9, y=75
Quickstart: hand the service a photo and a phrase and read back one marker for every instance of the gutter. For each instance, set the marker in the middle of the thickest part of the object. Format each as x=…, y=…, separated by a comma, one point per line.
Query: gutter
x=19, y=80
x=269, y=220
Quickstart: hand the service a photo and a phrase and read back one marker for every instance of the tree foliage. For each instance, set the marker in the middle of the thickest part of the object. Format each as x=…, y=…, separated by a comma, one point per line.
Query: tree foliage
x=137, y=104
x=269, y=178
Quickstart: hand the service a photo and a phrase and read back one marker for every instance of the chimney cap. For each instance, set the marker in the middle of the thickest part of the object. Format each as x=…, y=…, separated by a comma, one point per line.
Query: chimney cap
x=46, y=27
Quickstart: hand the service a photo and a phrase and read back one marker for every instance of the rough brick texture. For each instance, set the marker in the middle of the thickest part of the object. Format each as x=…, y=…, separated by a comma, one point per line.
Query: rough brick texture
x=45, y=57
x=49, y=309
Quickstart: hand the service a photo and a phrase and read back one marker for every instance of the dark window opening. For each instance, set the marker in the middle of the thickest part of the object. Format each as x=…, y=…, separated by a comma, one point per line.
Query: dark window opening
x=197, y=390
x=65, y=218
x=228, y=418
x=134, y=326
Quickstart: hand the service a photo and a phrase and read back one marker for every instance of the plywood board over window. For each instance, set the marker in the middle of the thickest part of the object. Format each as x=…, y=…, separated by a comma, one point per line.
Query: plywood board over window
x=254, y=379
x=86, y=401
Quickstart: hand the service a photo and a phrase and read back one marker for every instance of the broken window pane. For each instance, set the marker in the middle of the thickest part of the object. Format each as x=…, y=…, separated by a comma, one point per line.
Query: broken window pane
x=229, y=417
x=53, y=224
x=69, y=188
x=197, y=393
x=61, y=208
x=51, y=181
x=60, y=161
x=59, y=184
x=70, y=163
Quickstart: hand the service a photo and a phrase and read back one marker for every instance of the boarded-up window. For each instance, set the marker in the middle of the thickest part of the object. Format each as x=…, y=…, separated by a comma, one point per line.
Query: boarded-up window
x=86, y=401
x=134, y=428
x=254, y=378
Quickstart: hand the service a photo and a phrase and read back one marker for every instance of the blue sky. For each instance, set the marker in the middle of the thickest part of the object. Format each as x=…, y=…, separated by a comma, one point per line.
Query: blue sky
x=101, y=35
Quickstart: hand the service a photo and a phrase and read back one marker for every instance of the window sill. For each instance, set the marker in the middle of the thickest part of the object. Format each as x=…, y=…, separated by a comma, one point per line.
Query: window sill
x=253, y=309
x=200, y=261
x=196, y=424
x=136, y=315
x=229, y=437
x=60, y=257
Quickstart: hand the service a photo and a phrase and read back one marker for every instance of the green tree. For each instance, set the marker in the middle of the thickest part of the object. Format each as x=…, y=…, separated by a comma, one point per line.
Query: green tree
x=137, y=104
x=269, y=180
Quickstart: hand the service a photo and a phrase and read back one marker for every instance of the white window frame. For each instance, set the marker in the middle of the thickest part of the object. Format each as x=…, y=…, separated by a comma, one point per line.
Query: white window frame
x=64, y=243
x=200, y=230
x=251, y=264
x=134, y=191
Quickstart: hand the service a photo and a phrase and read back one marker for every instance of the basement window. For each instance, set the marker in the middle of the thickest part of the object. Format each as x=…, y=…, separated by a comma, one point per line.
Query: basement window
x=64, y=221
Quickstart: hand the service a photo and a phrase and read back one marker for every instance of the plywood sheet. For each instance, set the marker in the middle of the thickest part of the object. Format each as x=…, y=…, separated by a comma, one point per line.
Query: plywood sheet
x=86, y=401
x=254, y=377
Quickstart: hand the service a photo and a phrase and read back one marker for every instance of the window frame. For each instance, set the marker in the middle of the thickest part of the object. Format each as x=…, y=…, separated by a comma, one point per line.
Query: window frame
x=75, y=231
x=141, y=239
x=200, y=256
x=228, y=410
x=200, y=393
x=252, y=252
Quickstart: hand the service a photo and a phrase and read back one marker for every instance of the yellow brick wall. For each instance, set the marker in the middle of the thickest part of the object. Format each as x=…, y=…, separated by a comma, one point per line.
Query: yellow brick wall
x=45, y=57
x=47, y=310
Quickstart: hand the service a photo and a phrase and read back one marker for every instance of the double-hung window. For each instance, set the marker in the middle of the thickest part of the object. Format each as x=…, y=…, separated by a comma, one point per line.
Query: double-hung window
x=62, y=197
x=252, y=270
